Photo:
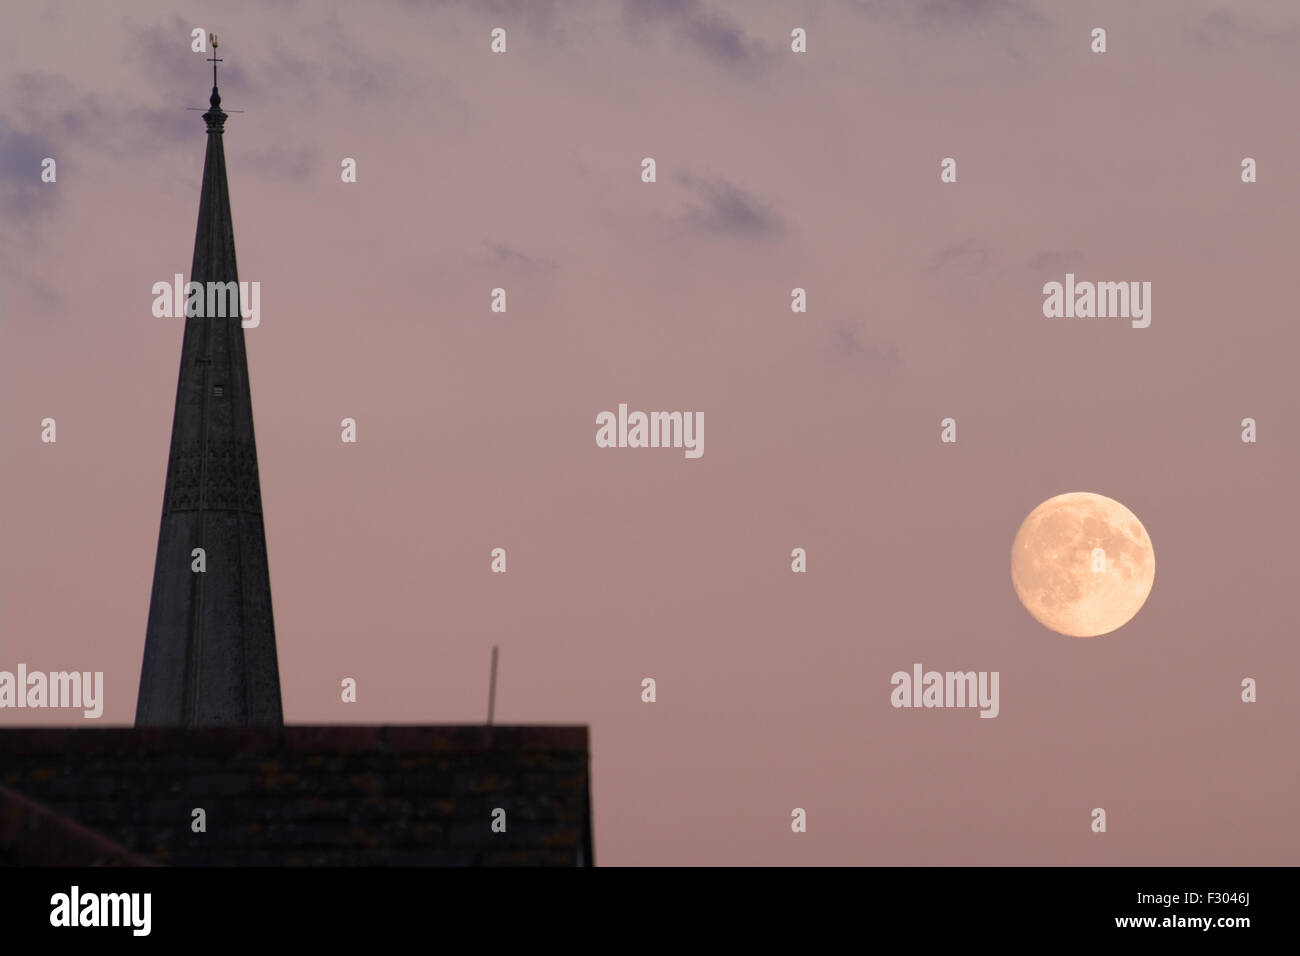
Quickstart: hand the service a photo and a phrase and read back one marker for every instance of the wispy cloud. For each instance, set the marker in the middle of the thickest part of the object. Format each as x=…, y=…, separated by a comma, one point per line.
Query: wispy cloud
x=1226, y=30
x=719, y=37
x=969, y=256
x=26, y=206
x=22, y=194
x=951, y=15
x=845, y=344
x=966, y=13
x=535, y=15
x=288, y=163
x=721, y=208
x=1055, y=260
x=511, y=258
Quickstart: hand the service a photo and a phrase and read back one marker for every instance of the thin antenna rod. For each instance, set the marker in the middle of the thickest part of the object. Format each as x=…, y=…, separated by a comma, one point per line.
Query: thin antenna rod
x=492, y=687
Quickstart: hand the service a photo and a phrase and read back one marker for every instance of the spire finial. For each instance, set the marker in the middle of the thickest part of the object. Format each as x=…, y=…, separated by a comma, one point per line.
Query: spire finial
x=215, y=100
x=214, y=117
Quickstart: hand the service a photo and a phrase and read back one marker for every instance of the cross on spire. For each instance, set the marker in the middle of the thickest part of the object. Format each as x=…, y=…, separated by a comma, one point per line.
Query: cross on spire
x=214, y=59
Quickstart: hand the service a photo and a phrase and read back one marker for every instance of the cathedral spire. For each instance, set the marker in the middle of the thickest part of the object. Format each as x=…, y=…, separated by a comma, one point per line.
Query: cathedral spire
x=209, y=657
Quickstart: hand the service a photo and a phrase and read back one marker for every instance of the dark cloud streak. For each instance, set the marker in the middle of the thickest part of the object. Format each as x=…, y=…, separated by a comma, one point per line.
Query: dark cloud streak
x=716, y=35
x=721, y=208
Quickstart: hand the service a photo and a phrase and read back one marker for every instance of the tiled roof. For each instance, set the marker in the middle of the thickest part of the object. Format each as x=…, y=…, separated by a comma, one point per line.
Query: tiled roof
x=318, y=795
x=33, y=835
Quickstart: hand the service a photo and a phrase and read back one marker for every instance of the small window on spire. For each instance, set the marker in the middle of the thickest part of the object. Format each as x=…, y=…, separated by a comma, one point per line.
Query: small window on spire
x=218, y=391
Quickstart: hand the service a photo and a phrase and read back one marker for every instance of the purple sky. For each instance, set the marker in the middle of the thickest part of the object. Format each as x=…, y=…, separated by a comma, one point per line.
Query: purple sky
x=476, y=430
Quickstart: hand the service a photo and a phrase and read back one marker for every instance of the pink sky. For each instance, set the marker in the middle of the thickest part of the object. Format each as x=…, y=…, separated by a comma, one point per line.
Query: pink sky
x=476, y=430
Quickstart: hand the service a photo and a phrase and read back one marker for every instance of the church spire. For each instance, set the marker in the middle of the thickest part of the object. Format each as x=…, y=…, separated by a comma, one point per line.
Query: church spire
x=209, y=657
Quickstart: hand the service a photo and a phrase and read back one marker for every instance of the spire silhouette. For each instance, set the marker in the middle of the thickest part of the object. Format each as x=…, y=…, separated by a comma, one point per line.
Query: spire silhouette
x=210, y=657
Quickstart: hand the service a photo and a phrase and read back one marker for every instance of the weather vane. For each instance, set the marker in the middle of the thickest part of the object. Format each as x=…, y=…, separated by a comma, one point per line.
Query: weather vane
x=214, y=60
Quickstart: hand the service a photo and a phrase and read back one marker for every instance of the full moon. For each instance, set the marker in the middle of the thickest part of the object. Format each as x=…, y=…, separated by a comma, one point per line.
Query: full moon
x=1082, y=564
